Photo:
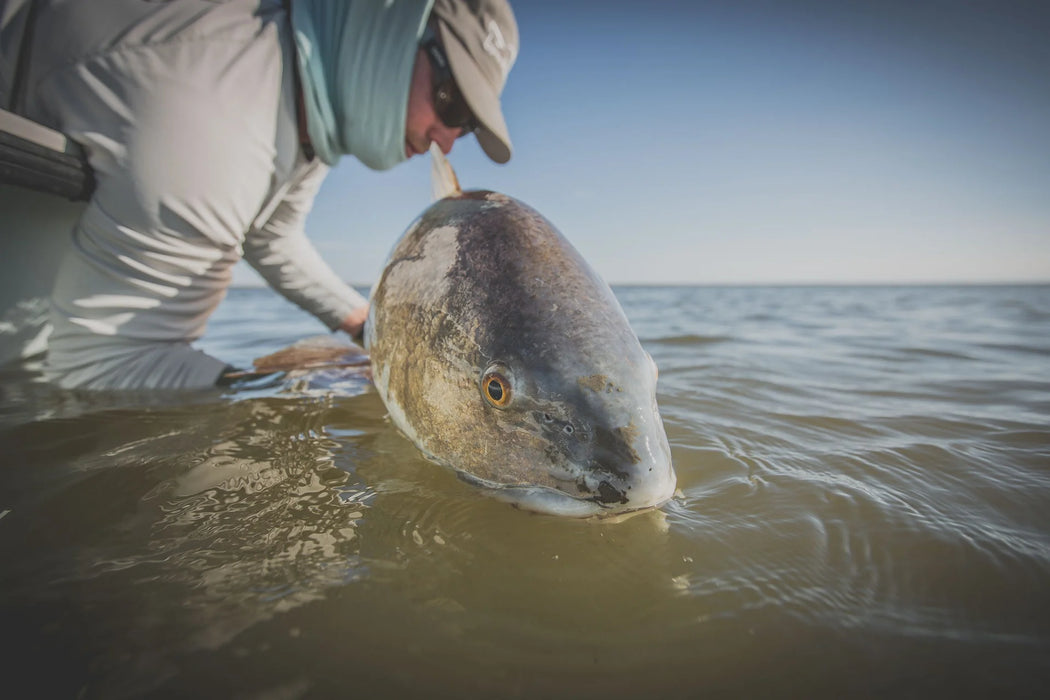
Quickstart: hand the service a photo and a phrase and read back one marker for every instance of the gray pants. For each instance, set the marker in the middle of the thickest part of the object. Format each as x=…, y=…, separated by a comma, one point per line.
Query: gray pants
x=35, y=231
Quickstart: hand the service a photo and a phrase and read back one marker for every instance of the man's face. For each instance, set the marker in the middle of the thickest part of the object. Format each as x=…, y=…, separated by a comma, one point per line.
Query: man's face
x=423, y=125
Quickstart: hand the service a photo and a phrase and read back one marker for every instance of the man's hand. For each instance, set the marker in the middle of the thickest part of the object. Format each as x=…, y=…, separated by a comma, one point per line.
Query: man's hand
x=354, y=323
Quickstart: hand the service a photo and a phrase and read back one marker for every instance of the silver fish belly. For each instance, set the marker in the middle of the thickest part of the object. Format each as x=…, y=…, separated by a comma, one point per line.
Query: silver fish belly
x=502, y=355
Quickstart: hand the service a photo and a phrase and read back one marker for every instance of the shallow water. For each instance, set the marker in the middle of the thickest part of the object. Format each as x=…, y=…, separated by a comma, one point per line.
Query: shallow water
x=864, y=511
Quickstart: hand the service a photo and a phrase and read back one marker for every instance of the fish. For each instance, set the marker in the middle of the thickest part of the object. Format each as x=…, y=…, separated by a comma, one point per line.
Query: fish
x=503, y=356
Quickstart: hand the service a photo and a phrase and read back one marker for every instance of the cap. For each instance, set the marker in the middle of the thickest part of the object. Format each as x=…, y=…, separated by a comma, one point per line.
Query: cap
x=480, y=38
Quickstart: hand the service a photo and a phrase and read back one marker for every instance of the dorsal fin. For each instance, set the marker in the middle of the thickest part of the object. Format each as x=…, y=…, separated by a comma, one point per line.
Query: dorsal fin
x=443, y=182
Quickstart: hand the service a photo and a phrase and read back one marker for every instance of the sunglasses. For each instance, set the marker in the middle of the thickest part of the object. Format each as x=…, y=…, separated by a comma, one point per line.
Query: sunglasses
x=449, y=104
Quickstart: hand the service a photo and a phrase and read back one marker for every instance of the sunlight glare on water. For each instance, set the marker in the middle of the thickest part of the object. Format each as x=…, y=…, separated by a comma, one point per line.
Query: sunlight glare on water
x=863, y=481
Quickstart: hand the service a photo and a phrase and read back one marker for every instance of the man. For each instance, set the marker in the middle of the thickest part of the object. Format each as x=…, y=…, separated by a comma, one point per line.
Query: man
x=209, y=127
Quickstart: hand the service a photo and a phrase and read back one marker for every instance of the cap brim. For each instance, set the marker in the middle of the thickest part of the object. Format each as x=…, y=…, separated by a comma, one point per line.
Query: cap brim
x=482, y=100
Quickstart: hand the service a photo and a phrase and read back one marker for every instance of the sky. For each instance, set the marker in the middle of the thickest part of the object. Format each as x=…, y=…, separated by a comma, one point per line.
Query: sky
x=747, y=142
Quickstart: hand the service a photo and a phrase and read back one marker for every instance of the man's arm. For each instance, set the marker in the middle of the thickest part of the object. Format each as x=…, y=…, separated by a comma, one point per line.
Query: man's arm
x=280, y=251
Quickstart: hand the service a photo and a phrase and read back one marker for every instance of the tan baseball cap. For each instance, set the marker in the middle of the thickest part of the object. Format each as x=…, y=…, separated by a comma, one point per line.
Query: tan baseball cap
x=480, y=38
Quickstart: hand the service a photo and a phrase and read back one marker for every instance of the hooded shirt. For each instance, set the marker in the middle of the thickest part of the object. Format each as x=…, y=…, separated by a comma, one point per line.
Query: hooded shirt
x=187, y=111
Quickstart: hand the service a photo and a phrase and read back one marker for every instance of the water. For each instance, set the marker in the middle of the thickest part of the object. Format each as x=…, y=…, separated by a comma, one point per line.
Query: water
x=864, y=511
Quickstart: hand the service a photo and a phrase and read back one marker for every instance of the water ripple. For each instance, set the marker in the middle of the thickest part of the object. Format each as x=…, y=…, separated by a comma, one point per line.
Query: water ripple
x=861, y=510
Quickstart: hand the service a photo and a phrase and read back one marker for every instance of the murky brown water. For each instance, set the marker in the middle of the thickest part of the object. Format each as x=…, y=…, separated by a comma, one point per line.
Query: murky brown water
x=864, y=512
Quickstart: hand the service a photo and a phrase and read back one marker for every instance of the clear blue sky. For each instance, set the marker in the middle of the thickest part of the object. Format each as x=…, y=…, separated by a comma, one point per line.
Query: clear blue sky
x=757, y=142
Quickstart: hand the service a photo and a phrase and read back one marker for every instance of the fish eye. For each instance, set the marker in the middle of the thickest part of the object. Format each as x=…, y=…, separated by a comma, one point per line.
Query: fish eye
x=496, y=389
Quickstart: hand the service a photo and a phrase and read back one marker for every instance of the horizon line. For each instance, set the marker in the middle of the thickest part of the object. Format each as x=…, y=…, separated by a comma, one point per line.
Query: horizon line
x=867, y=283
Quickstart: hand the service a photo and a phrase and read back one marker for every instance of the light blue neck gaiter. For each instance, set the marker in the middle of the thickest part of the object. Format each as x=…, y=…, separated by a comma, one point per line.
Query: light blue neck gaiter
x=355, y=60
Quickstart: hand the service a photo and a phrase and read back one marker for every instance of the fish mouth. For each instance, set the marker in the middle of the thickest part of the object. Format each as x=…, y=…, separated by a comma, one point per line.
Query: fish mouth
x=551, y=501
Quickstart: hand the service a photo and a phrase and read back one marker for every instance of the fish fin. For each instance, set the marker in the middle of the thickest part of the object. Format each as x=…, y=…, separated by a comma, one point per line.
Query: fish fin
x=443, y=182
x=315, y=352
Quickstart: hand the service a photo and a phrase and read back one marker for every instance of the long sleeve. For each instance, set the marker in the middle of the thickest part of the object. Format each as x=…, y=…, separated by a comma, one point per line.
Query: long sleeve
x=279, y=250
x=188, y=119
x=187, y=112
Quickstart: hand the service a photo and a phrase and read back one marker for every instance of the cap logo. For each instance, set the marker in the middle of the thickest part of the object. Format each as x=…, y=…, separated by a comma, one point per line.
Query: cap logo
x=497, y=47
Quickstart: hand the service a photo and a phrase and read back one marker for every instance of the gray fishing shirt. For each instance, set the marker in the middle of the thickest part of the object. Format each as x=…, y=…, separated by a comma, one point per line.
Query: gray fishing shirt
x=187, y=111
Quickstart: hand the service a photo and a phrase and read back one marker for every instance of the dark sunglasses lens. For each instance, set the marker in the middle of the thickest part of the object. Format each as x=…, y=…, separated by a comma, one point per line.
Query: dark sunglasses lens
x=453, y=109
x=449, y=104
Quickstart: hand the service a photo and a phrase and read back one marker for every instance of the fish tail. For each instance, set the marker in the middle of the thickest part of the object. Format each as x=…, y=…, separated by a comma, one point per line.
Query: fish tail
x=443, y=181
